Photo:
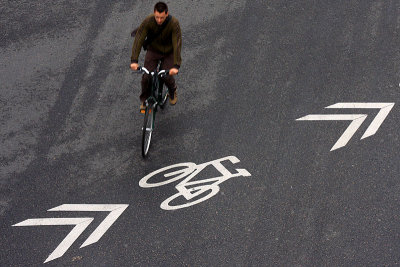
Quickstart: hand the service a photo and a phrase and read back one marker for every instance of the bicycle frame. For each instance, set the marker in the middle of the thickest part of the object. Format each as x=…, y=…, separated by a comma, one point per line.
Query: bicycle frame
x=155, y=99
x=156, y=88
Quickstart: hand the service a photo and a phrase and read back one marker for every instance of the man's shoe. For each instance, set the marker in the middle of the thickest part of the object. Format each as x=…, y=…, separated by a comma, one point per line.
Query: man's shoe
x=142, y=108
x=173, y=100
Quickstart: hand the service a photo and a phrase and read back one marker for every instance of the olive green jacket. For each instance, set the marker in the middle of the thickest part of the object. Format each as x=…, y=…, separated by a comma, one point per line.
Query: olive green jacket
x=170, y=39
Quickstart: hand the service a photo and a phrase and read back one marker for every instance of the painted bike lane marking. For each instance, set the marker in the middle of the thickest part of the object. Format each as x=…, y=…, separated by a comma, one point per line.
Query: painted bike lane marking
x=357, y=119
x=80, y=224
x=192, y=192
x=187, y=189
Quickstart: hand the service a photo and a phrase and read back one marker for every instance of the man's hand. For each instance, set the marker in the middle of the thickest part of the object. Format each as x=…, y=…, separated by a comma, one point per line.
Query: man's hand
x=134, y=66
x=173, y=71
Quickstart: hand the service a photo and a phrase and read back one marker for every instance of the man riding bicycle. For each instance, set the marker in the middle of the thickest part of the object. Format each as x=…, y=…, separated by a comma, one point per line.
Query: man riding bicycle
x=160, y=35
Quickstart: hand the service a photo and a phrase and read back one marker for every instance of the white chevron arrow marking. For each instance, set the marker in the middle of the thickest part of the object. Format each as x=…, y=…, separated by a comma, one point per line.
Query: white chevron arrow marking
x=115, y=212
x=357, y=119
x=81, y=224
x=379, y=118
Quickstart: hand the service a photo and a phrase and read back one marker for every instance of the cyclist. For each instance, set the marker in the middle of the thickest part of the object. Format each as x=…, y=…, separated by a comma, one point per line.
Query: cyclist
x=160, y=35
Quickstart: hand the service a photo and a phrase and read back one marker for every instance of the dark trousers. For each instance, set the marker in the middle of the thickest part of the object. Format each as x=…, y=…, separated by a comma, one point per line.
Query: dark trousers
x=150, y=62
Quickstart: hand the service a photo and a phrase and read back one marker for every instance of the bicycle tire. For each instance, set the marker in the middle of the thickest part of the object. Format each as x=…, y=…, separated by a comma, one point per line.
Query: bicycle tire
x=147, y=130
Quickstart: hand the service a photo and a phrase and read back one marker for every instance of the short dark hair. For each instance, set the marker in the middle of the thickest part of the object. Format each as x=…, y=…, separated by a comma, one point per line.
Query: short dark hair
x=161, y=7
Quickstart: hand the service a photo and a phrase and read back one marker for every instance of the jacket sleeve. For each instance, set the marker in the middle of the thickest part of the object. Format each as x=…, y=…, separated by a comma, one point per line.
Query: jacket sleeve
x=177, y=43
x=139, y=40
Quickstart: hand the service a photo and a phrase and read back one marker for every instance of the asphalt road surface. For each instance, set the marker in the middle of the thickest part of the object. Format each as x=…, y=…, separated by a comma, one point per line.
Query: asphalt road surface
x=71, y=134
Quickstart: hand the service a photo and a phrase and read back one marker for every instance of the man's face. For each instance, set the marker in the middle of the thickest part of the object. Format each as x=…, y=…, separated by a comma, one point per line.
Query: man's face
x=160, y=17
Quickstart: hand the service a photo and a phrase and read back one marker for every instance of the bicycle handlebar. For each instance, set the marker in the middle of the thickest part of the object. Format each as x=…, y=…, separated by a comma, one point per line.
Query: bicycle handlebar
x=144, y=70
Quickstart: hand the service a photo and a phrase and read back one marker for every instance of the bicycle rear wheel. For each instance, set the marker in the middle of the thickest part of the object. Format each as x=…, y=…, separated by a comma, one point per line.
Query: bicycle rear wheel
x=147, y=130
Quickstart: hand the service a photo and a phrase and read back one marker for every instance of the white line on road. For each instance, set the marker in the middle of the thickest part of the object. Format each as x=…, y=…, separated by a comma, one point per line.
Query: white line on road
x=81, y=224
x=379, y=118
x=116, y=211
x=356, y=119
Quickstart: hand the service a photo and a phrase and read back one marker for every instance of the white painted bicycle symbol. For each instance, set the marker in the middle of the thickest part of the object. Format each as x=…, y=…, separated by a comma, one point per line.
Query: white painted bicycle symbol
x=192, y=192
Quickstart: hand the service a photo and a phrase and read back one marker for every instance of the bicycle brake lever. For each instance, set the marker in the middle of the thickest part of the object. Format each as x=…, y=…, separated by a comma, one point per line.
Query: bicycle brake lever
x=165, y=73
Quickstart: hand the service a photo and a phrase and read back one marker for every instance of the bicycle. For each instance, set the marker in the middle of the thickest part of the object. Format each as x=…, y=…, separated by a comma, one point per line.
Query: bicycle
x=158, y=97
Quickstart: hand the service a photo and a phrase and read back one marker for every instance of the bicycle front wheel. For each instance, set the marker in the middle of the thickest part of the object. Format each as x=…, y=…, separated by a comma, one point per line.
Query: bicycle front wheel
x=147, y=130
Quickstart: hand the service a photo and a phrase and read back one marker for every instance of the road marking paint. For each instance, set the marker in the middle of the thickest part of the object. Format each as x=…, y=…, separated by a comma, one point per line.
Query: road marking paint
x=81, y=224
x=192, y=192
x=115, y=212
x=385, y=109
x=357, y=119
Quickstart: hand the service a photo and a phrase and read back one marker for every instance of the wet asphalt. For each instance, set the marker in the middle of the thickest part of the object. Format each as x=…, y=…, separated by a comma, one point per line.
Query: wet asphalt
x=71, y=133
